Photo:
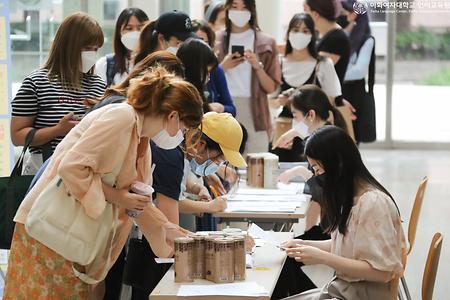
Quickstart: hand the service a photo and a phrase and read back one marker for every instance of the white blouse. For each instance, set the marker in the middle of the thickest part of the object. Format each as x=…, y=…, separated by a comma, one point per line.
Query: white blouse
x=374, y=234
x=296, y=73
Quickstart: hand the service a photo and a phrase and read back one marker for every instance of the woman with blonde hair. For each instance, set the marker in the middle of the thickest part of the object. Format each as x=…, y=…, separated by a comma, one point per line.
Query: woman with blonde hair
x=160, y=107
x=50, y=99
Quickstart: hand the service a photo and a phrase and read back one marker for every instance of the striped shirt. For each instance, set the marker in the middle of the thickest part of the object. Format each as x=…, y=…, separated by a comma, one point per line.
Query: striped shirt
x=48, y=101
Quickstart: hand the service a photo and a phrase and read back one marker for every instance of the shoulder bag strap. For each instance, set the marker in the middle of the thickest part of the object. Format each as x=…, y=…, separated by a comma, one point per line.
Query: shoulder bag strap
x=17, y=170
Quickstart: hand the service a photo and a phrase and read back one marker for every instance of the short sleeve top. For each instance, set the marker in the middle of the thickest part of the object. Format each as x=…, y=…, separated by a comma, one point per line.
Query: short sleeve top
x=374, y=234
x=169, y=170
x=337, y=42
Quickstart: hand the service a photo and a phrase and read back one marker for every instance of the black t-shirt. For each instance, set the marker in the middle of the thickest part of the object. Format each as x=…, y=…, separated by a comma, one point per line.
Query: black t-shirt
x=337, y=42
x=169, y=169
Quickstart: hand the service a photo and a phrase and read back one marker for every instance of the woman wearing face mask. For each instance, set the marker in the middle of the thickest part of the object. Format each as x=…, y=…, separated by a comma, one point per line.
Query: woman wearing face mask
x=199, y=61
x=165, y=33
x=361, y=59
x=215, y=14
x=159, y=107
x=114, y=68
x=50, y=99
x=252, y=74
x=311, y=110
x=219, y=140
x=367, y=241
x=301, y=65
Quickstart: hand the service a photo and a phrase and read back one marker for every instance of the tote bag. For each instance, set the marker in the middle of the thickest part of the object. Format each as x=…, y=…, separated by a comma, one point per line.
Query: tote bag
x=12, y=192
x=59, y=221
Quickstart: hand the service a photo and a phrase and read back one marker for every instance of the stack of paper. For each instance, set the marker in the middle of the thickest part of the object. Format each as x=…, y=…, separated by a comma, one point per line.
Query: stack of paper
x=243, y=289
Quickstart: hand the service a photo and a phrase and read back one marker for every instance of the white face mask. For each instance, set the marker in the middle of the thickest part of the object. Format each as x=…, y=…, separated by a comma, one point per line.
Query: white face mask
x=88, y=59
x=172, y=50
x=164, y=141
x=299, y=40
x=301, y=128
x=239, y=18
x=130, y=39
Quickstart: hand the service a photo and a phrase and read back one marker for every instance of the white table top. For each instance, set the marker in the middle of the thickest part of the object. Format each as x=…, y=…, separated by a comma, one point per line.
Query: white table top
x=268, y=261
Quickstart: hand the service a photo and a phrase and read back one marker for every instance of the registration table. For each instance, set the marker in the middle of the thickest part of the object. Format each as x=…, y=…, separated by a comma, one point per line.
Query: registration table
x=282, y=206
x=268, y=261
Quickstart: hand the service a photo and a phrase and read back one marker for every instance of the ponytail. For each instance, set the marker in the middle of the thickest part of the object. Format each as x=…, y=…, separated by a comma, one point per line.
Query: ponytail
x=148, y=42
x=339, y=120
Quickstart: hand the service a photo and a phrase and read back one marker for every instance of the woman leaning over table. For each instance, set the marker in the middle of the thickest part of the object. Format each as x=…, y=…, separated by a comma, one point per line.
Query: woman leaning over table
x=159, y=105
x=367, y=241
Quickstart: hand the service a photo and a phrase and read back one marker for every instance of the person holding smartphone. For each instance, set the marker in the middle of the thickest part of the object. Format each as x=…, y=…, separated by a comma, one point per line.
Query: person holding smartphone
x=252, y=69
x=50, y=99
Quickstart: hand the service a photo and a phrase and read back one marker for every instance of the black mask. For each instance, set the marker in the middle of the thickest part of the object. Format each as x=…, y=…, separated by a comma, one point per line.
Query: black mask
x=315, y=187
x=342, y=21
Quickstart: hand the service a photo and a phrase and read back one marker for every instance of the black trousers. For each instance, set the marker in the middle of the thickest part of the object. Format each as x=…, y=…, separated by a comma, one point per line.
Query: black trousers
x=137, y=268
x=292, y=279
x=143, y=273
x=113, y=280
x=355, y=93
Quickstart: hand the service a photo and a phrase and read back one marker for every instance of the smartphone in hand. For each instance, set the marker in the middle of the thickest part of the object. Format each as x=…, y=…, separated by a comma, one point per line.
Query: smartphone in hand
x=238, y=49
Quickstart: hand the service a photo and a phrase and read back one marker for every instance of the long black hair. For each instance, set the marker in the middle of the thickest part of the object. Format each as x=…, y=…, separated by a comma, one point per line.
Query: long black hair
x=120, y=51
x=297, y=20
x=251, y=6
x=361, y=30
x=311, y=97
x=197, y=56
x=341, y=160
x=328, y=9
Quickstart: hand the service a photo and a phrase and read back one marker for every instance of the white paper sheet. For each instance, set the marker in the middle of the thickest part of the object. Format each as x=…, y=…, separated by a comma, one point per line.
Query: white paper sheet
x=169, y=260
x=3, y=257
x=256, y=231
x=247, y=289
x=249, y=261
x=272, y=198
x=268, y=207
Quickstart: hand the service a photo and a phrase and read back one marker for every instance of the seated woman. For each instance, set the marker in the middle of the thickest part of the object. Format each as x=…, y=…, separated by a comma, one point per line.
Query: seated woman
x=367, y=240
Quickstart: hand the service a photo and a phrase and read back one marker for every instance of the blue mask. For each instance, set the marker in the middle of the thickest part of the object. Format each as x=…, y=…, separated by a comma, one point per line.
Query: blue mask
x=205, y=169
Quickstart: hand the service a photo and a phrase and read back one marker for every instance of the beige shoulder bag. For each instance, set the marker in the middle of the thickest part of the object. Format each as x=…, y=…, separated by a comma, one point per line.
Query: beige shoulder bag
x=59, y=221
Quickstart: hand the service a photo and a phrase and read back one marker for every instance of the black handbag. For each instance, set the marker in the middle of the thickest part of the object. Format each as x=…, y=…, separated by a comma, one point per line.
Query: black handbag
x=12, y=192
x=367, y=125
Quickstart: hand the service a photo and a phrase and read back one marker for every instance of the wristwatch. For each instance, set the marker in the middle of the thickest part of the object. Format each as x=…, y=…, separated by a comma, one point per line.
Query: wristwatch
x=260, y=66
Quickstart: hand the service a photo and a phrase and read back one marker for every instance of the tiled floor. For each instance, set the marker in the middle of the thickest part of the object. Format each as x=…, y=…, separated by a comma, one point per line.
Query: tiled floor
x=400, y=172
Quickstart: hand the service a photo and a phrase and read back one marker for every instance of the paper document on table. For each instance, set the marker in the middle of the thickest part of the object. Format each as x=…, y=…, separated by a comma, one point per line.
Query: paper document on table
x=256, y=231
x=169, y=260
x=243, y=289
x=3, y=257
x=269, y=207
x=274, y=198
